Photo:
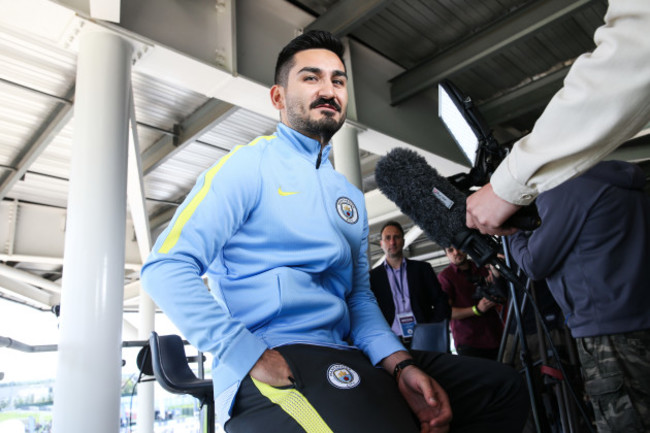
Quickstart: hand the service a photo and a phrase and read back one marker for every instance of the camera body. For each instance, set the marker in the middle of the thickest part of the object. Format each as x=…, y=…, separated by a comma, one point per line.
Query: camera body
x=493, y=292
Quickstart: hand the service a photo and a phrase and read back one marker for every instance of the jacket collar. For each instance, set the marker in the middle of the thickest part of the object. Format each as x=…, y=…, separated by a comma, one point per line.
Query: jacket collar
x=308, y=147
x=401, y=266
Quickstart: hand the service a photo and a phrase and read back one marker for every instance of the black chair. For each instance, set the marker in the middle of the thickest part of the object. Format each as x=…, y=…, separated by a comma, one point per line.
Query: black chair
x=431, y=337
x=172, y=371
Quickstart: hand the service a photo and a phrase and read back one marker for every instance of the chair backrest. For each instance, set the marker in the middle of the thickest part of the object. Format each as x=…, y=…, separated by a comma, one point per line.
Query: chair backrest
x=170, y=367
x=433, y=337
x=172, y=371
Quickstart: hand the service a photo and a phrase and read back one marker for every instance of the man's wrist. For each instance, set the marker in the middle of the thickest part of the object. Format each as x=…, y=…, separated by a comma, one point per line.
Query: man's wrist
x=509, y=189
x=393, y=359
x=400, y=366
x=476, y=311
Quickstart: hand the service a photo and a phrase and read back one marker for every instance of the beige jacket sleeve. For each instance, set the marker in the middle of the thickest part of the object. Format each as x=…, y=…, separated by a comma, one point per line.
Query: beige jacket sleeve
x=605, y=101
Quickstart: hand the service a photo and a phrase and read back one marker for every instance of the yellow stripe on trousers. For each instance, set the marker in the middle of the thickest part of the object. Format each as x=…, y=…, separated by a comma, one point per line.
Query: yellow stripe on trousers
x=183, y=218
x=296, y=406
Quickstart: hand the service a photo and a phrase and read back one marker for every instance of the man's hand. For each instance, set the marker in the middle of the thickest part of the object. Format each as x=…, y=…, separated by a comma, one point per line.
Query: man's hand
x=427, y=399
x=487, y=212
x=484, y=305
x=272, y=369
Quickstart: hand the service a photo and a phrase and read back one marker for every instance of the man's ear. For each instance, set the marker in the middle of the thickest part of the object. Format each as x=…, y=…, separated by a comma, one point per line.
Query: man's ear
x=277, y=97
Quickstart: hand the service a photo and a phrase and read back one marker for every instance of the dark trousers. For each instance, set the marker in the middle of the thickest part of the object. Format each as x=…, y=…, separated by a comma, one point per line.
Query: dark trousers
x=478, y=352
x=340, y=391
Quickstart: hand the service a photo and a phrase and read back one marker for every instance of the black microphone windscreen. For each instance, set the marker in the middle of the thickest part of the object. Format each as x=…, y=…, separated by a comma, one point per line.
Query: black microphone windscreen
x=428, y=198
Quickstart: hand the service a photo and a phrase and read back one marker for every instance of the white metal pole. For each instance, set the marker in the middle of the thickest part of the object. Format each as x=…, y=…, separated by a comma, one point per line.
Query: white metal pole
x=145, y=406
x=345, y=146
x=147, y=310
x=88, y=380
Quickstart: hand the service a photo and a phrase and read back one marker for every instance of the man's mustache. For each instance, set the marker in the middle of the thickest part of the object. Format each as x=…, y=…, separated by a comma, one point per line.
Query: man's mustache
x=324, y=101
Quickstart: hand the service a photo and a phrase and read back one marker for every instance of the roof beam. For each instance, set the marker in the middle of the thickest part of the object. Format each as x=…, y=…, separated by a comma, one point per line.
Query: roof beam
x=523, y=99
x=135, y=189
x=162, y=218
x=132, y=291
x=520, y=24
x=345, y=16
x=35, y=233
x=58, y=118
x=205, y=118
x=108, y=10
x=29, y=278
x=27, y=293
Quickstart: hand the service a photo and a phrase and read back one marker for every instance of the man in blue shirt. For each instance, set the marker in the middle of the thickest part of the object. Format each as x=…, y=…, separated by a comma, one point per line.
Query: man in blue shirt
x=282, y=239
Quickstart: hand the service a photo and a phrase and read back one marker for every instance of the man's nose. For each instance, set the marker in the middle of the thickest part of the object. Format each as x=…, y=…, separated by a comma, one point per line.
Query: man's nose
x=326, y=89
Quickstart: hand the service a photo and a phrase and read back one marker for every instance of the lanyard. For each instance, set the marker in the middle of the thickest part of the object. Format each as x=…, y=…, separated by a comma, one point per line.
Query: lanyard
x=398, y=282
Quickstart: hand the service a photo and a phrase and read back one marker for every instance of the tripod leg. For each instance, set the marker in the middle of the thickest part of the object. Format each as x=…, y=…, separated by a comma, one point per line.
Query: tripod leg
x=541, y=424
x=504, y=337
x=572, y=410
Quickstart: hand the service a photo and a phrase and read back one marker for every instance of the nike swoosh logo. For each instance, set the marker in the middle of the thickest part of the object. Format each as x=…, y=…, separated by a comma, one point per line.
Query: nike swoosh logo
x=284, y=194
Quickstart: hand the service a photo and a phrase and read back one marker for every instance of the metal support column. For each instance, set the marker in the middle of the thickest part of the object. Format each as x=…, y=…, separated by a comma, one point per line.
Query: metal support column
x=88, y=379
x=345, y=147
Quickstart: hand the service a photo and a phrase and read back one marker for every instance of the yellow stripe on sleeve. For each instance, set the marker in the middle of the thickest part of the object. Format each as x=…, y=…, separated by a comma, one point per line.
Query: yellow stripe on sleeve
x=296, y=406
x=175, y=233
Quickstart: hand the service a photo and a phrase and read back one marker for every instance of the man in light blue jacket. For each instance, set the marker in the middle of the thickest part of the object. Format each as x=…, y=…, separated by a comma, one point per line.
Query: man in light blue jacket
x=295, y=331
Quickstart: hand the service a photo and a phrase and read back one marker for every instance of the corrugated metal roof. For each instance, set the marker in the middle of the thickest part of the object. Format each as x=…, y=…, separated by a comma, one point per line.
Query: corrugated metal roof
x=171, y=181
x=412, y=31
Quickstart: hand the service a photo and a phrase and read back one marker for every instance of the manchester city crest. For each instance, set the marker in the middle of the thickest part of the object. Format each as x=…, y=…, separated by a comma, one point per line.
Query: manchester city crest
x=347, y=210
x=343, y=377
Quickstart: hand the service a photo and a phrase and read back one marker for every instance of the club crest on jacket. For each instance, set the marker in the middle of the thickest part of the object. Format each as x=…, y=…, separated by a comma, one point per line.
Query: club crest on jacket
x=347, y=210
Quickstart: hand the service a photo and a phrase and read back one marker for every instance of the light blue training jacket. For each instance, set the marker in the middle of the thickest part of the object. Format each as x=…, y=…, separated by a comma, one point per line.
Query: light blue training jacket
x=283, y=245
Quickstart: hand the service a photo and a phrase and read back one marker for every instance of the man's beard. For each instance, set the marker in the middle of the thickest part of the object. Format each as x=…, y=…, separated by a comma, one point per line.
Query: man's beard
x=325, y=127
x=461, y=262
x=395, y=255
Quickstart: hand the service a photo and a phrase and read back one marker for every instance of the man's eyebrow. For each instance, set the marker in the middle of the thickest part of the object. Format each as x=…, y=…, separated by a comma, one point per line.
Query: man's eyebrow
x=319, y=71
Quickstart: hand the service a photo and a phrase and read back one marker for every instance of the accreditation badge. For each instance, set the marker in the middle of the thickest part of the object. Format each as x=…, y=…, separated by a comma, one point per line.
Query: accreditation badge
x=407, y=324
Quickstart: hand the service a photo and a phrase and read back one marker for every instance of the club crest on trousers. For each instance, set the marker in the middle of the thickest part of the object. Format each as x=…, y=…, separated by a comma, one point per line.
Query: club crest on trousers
x=343, y=377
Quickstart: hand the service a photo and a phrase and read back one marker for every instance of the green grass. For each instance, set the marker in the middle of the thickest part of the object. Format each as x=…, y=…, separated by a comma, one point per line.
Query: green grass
x=39, y=417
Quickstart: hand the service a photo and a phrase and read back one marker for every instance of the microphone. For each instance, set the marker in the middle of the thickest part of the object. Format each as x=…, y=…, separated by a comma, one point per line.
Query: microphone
x=431, y=201
x=435, y=205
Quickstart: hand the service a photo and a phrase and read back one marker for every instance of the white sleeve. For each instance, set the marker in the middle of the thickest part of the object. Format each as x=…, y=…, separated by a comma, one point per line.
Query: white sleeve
x=605, y=101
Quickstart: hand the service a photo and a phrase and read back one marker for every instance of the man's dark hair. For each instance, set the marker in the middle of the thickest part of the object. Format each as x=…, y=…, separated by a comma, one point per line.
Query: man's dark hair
x=393, y=224
x=313, y=39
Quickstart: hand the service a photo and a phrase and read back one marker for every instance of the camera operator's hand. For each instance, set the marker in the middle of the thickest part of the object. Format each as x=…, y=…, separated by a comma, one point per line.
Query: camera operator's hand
x=494, y=272
x=487, y=212
x=485, y=305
